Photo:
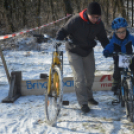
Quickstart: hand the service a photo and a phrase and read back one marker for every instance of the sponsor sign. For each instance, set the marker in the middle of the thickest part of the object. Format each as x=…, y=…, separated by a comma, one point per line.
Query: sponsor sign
x=37, y=87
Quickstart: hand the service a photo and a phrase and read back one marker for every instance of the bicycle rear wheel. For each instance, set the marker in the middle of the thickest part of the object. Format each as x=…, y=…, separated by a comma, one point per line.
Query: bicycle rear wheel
x=129, y=99
x=53, y=96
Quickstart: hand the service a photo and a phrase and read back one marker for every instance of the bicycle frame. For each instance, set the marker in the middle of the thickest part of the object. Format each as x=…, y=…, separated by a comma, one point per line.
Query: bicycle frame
x=54, y=91
x=57, y=59
x=126, y=96
x=124, y=75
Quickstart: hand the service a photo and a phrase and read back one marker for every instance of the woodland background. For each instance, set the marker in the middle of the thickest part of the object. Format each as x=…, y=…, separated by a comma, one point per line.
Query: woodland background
x=17, y=15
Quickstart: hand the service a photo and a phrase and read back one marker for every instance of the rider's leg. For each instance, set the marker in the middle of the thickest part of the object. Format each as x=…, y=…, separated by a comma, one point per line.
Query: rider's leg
x=82, y=68
x=76, y=63
x=132, y=65
x=116, y=79
x=89, y=69
x=132, y=68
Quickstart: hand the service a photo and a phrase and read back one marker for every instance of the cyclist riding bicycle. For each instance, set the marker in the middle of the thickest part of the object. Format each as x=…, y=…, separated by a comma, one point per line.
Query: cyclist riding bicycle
x=121, y=41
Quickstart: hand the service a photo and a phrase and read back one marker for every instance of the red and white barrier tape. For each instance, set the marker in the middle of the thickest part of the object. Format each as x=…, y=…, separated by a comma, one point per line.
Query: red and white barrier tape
x=36, y=28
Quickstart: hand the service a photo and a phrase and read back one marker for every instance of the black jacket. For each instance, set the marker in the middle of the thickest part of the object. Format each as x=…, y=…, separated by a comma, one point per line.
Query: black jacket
x=82, y=32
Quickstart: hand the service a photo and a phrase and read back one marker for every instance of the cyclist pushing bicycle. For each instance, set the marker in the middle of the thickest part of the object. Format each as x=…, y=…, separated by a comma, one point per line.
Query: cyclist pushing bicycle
x=82, y=29
x=122, y=41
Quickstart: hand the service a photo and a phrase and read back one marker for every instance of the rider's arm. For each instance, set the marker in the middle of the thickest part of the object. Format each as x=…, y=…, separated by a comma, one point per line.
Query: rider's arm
x=102, y=36
x=110, y=46
x=67, y=29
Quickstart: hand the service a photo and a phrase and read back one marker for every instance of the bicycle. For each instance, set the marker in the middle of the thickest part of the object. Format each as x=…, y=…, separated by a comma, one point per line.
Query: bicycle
x=54, y=92
x=126, y=93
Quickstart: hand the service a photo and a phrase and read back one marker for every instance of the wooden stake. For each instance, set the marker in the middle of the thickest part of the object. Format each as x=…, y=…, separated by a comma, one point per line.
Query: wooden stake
x=5, y=65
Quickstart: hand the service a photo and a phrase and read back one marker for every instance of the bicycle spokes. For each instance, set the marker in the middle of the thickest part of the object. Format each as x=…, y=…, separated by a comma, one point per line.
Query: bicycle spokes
x=53, y=100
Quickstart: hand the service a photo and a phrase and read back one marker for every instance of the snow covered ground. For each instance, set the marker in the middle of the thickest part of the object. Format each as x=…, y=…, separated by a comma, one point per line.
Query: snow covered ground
x=26, y=115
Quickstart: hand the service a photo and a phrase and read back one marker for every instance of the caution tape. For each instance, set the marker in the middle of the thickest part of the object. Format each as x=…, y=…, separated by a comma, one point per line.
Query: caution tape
x=36, y=28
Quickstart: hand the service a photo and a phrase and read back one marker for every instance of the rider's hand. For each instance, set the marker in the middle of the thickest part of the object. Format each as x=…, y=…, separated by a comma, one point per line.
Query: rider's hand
x=106, y=53
x=56, y=43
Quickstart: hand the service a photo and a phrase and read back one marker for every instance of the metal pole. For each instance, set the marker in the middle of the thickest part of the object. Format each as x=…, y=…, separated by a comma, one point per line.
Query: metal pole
x=5, y=65
x=132, y=13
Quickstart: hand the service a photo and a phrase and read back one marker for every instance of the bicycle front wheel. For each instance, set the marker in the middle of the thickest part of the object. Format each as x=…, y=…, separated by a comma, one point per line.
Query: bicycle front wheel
x=53, y=96
x=129, y=99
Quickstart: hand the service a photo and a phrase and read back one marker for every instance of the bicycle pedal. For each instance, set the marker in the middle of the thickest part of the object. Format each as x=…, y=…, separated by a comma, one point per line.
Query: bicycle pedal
x=43, y=76
x=115, y=102
x=65, y=102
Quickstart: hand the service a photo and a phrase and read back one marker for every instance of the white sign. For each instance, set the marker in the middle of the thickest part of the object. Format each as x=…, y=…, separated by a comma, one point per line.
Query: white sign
x=124, y=61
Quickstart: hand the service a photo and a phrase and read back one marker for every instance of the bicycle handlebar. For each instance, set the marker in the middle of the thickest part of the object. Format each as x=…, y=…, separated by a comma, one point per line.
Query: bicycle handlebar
x=57, y=42
x=117, y=53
